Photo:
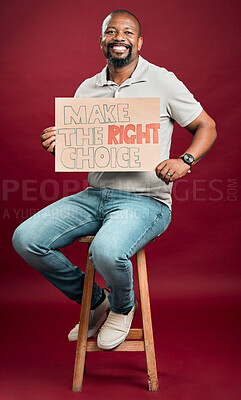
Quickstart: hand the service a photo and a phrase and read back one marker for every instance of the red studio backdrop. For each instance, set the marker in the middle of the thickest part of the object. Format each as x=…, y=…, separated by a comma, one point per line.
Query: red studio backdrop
x=47, y=49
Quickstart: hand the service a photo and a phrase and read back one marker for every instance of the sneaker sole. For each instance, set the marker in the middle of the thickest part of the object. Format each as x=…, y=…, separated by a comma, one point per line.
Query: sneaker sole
x=112, y=345
x=91, y=332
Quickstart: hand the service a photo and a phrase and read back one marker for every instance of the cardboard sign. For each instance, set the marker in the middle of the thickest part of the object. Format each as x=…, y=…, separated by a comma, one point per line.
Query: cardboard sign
x=107, y=134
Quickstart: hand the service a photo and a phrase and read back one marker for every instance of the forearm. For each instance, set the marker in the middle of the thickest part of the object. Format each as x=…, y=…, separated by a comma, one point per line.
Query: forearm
x=204, y=136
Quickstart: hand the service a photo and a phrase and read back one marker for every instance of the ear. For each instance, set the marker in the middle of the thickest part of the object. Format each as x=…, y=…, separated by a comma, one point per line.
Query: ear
x=140, y=43
x=101, y=41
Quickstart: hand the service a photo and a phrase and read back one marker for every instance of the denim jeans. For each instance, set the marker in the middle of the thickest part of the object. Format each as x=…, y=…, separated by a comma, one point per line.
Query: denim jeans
x=122, y=223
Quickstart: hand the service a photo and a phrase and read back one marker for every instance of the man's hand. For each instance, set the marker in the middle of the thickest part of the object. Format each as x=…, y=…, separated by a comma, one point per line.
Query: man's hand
x=172, y=169
x=48, y=139
x=204, y=135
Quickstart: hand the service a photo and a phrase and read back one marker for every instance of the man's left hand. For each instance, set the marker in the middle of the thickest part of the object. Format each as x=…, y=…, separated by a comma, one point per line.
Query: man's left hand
x=171, y=169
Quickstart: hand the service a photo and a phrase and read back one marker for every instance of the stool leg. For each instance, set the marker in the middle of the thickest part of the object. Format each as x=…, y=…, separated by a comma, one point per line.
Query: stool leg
x=147, y=322
x=83, y=327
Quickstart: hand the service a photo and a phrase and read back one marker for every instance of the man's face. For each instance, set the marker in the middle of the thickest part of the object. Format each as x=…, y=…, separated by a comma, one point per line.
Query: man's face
x=120, y=41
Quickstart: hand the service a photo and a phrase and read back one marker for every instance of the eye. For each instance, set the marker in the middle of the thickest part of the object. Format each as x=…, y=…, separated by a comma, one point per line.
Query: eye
x=129, y=33
x=110, y=32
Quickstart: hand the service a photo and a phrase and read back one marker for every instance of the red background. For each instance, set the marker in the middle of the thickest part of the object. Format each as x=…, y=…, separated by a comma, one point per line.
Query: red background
x=47, y=49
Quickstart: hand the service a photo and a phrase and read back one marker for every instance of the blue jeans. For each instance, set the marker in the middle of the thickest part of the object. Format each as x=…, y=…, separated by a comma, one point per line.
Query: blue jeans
x=122, y=223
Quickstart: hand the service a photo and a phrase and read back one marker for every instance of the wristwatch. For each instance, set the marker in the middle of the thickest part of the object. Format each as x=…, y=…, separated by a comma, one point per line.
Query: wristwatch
x=188, y=159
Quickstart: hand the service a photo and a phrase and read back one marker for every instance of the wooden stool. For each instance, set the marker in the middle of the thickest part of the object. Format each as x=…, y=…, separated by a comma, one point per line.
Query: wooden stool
x=143, y=338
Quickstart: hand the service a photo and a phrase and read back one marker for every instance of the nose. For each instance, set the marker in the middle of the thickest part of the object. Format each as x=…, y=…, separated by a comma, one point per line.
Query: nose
x=120, y=36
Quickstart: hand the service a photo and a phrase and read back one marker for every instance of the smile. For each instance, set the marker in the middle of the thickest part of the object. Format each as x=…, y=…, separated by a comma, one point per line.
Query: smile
x=119, y=48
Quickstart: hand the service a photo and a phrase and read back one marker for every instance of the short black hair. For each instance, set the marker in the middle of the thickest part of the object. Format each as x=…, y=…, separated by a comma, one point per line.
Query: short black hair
x=125, y=12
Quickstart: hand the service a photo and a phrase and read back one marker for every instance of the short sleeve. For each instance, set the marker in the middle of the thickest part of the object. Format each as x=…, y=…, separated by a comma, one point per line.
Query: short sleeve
x=181, y=104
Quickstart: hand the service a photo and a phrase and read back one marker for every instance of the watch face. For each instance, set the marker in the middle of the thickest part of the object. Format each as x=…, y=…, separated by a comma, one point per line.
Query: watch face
x=188, y=158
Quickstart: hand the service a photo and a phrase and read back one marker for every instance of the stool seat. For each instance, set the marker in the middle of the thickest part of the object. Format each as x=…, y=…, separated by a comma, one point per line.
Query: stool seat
x=137, y=339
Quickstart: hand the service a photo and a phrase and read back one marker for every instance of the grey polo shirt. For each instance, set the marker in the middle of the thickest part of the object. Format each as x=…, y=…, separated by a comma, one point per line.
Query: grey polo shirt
x=176, y=104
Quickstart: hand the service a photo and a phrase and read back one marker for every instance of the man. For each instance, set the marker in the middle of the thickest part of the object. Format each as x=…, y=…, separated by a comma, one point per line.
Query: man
x=123, y=210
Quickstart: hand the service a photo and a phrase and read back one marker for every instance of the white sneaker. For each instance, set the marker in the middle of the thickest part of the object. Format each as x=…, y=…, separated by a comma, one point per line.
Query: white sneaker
x=115, y=329
x=97, y=317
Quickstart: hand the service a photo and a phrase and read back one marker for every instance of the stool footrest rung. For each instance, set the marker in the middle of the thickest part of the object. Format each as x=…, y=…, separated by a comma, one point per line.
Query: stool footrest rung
x=135, y=334
x=125, y=346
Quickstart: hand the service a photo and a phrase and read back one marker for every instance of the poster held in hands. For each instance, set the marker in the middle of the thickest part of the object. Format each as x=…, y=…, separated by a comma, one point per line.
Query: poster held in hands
x=107, y=134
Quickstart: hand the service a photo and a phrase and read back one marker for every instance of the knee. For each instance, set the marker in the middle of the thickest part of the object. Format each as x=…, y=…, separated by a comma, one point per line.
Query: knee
x=107, y=257
x=22, y=240
x=103, y=255
x=18, y=239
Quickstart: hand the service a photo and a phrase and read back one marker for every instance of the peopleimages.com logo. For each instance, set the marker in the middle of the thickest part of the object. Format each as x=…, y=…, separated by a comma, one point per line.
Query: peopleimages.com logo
x=50, y=190
x=204, y=190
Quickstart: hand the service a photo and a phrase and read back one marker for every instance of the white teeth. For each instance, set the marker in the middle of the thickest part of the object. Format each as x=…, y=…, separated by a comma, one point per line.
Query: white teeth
x=119, y=48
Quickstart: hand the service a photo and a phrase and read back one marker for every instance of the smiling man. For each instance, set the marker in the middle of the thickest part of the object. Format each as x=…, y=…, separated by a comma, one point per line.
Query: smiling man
x=124, y=210
x=121, y=41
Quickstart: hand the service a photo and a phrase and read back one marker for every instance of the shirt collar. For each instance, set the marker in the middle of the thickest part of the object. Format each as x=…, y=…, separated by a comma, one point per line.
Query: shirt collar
x=140, y=74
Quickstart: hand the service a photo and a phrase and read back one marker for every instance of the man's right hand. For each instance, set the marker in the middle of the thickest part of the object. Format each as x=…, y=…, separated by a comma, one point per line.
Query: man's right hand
x=48, y=139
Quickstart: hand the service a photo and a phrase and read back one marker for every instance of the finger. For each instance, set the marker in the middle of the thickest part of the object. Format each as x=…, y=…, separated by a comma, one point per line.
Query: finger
x=162, y=173
x=47, y=142
x=51, y=147
x=169, y=176
x=169, y=173
x=47, y=132
x=50, y=128
x=160, y=166
x=174, y=176
x=47, y=136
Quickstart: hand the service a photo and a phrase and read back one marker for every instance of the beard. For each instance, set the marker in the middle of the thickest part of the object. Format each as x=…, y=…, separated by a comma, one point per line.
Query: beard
x=118, y=62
